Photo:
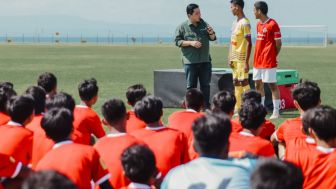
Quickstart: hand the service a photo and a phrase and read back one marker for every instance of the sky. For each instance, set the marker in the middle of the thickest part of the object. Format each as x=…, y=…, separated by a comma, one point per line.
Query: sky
x=165, y=12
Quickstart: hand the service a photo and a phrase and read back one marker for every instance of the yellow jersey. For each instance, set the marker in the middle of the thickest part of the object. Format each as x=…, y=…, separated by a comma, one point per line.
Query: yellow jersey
x=238, y=47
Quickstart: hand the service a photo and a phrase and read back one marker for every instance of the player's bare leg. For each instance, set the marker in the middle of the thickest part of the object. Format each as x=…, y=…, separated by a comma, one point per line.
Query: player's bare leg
x=259, y=85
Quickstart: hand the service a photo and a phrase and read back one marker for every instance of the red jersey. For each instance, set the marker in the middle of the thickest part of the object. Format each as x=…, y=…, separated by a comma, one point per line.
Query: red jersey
x=115, y=143
x=267, y=128
x=265, y=51
x=41, y=143
x=35, y=124
x=41, y=146
x=301, y=152
x=247, y=142
x=170, y=146
x=80, y=163
x=16, y=141
x=86, y=122
x=133, y=123
x=9, y=167
x=236, y=126
x=323, y=173
x=182, y=121
x=290, y=129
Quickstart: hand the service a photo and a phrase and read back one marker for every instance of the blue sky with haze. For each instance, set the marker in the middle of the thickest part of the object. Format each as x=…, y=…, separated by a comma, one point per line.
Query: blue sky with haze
x=148, y=16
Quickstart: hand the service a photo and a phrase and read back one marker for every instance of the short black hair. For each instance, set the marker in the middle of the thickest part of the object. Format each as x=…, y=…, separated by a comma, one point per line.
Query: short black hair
x=113, y=110
x=211, y=133
x=238, y=2
x=322, y=120
x=190, y=8
x=252, y=115
x=307, y=94
x=39, y=96
x=88, y=89
x=21, y=108
x=251, y=95
x=7, y=84
x=61, y=100
x=149, y=109
x=135, y=93
x=48, y=179
x=139, y=163
x=262, y=6
x=224, y=101
x=6, y=93
x=57, y=124
x=272, y=173
x=47, y=81
x=194, y=99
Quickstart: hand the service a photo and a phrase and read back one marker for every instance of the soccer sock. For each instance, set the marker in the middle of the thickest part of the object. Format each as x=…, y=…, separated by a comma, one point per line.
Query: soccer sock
x=263, y=100
x=238, y=94
x=276, y=105
x=246, y=88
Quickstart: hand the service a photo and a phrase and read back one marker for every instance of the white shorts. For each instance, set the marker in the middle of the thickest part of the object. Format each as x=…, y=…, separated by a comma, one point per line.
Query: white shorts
x=265, y=75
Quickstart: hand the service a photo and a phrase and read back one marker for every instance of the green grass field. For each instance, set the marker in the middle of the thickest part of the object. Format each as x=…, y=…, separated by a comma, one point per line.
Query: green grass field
x=117, y=67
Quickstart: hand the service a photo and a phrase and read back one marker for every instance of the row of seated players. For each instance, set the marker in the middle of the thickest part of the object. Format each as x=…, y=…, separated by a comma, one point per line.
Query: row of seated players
x=213, y=169
x=174, y=148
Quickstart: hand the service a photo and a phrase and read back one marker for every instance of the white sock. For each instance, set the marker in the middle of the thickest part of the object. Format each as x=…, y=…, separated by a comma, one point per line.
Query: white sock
x=263, y=100
x=276, y=105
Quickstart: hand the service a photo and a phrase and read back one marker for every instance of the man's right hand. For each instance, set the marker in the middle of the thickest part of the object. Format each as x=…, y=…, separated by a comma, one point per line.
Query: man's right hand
x=196, y=44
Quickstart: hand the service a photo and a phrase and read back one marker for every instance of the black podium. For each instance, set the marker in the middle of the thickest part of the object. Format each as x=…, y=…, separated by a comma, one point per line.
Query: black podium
x=170, y=85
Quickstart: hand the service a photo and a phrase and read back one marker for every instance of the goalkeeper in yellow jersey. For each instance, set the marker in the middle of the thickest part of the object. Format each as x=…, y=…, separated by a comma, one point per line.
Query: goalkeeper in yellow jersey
x=240, y=50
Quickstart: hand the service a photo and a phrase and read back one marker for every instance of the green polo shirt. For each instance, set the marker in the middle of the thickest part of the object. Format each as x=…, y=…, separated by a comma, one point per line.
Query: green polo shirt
x=189, y=32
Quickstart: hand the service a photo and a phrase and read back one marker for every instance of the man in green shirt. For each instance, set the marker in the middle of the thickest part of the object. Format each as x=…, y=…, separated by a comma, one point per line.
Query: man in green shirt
x=193, y=37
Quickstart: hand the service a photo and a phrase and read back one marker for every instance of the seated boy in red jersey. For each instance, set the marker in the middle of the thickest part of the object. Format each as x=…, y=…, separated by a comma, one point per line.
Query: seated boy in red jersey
x=80, y=163
x=252, y=116
x=139, y=166
x=321, y=173
x=42, y=144
x=306, y=95
x=87, y=121
x=48, y=82
x=224, y=102
x=169, y=145
x=15, y=139
x=183, y=120
x=267, y=128
x=6, y=93
x=134, y=94
x=301, y=151
x=113, y=144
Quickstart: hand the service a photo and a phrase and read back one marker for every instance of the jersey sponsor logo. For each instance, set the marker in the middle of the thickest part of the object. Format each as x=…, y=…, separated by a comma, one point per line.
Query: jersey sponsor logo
x=264, y=30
